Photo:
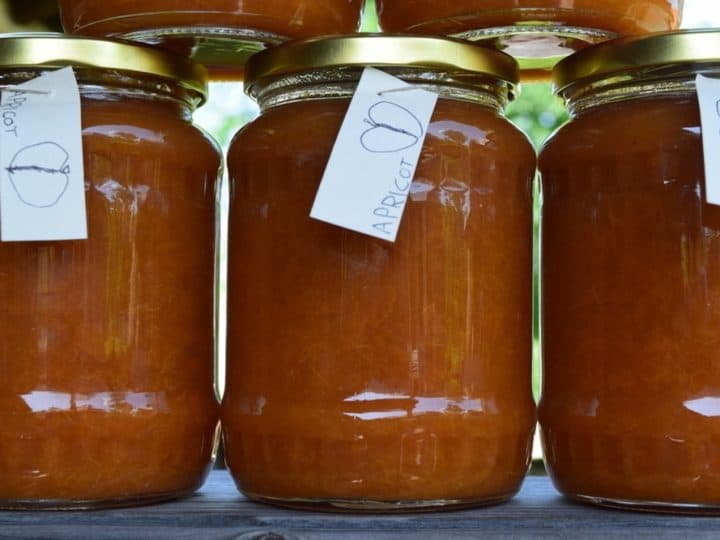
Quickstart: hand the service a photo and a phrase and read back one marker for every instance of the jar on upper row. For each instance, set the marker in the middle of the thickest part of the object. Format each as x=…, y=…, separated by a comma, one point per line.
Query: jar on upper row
x=537, y=32
x=631, y=280
x=366, y=375
x=217, y=33
x=106, y=393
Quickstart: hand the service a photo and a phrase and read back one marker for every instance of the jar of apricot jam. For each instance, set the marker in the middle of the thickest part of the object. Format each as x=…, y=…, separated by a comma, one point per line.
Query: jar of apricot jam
x=217, y=33
x=364, y=375
x=537, y=32
x=631, y=280
x=106, y=393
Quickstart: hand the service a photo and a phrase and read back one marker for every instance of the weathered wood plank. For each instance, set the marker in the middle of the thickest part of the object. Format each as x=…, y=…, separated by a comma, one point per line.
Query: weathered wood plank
x=219, y=512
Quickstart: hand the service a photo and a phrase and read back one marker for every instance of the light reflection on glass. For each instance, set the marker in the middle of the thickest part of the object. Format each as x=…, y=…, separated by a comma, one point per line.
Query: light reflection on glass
x=41, y=401
x=706, y=406
x=401, y=405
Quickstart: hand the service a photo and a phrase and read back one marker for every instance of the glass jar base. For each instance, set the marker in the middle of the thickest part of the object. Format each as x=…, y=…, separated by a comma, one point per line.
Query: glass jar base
x=223, y=50
x=98, y=504
x=538, y=45
x=649, y=506
x=367, y=506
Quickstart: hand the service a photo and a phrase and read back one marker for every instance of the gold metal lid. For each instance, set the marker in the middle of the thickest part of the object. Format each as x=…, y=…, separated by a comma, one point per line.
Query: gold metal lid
x=52, y=50
x=690, y=48
x=377, y=50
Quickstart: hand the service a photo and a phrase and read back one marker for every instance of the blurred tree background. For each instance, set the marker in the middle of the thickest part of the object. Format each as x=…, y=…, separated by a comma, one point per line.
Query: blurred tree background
x=537, y=112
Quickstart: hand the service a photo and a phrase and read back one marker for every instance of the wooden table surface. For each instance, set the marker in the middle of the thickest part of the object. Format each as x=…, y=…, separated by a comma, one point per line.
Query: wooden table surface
x=219, y=512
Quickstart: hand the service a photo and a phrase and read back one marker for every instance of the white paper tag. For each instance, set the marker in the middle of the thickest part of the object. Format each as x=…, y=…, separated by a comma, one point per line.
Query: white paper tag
x=42, y=186
x=368, y=177
x=708, y=90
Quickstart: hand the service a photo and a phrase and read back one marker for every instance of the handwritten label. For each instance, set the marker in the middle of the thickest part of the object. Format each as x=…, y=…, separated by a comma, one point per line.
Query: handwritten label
x=42, y=181
x=708, y=90
x=368, y=178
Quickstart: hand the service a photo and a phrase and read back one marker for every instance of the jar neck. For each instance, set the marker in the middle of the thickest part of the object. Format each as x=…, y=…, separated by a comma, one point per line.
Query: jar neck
x=113, y=86
x=342, y=83
x=659, y=82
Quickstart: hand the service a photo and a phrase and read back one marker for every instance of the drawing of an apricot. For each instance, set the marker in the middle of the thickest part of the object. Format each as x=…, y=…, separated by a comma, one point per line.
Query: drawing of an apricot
x=40, y=174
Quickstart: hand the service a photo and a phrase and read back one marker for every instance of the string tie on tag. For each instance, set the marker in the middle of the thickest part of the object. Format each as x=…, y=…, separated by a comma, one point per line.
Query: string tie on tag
x=25, y=90
x=396, y=90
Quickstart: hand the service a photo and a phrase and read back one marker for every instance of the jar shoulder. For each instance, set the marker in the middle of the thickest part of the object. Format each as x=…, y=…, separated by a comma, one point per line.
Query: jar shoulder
x=150, y=128
x=633, y=126
x=313, y=127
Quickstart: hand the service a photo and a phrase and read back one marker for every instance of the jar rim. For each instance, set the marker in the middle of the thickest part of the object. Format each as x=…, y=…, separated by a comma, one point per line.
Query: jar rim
x=685, y=50
x=54, y=50
x=381, y=51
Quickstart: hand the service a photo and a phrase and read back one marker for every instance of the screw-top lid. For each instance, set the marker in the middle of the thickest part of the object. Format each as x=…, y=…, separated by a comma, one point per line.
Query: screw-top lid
x=687, y=51
x=460, y=60
x=50, y=50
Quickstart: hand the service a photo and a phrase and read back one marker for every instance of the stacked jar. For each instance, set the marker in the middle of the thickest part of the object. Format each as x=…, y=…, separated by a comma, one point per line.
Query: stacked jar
x=106, y=394
x=629, y=412
x=362, y=374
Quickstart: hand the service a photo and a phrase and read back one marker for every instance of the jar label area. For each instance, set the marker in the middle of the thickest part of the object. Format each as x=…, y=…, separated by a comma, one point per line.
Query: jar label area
x=42, y=180
x=708, y=90
x=369, y=176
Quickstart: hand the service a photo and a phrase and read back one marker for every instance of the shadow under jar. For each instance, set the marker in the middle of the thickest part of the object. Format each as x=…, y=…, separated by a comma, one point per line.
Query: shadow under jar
x=536, y=32
x=364, y=375
x=106, y=394
x=217, y=33
x=631, y=281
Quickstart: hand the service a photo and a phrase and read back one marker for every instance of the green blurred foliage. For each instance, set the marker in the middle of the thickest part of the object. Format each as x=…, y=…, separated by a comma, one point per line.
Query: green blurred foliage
x=228, y=109
x=537, y=112
x=370, y=21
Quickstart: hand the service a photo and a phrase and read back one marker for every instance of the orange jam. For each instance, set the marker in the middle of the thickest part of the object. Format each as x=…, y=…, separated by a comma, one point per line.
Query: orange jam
x=366, y=375
x=216, y=32
x=631, y=281
x=106, y=394
x=537, y=32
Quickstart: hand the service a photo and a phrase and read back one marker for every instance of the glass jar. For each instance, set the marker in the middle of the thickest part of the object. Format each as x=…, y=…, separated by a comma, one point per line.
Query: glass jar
x=218, y=33
x=631, y=280
x=106, y=394
x=364, y=375
x=537, y=32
